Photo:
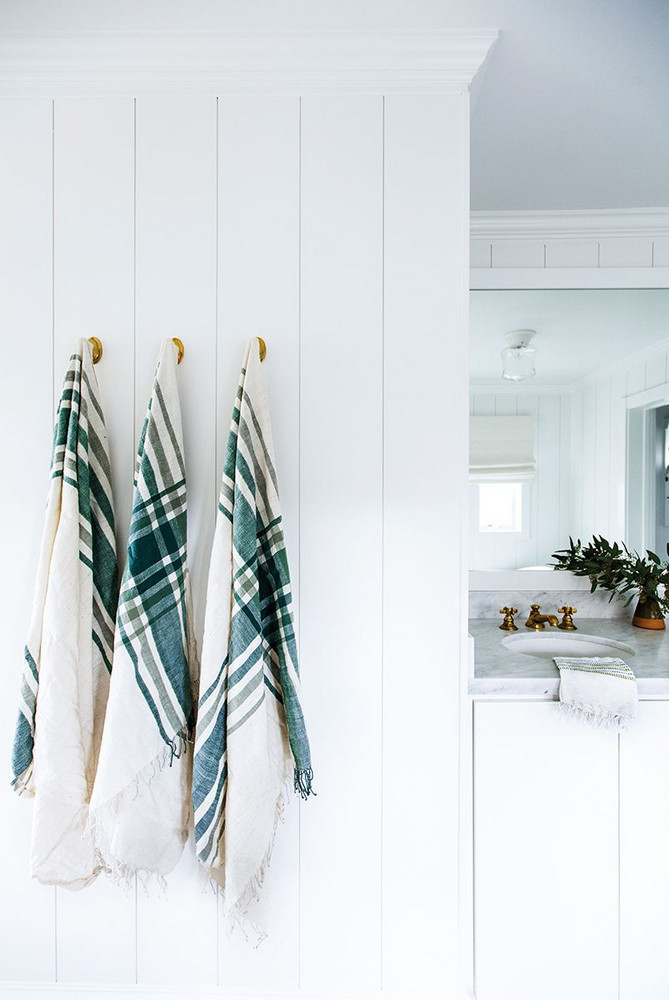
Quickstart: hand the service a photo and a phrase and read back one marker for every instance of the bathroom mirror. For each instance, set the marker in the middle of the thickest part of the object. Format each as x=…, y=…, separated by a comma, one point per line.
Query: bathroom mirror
x=582, y=445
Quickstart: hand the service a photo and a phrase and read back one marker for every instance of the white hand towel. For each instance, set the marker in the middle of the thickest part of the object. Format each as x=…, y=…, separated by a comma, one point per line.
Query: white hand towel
x=600, y=689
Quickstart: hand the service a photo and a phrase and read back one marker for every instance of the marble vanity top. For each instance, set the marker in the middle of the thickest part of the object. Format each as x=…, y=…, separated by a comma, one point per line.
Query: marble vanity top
x=496, y=670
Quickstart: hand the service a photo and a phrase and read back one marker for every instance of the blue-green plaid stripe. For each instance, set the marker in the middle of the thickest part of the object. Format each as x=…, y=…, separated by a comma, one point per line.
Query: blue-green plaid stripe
x=152, y=613
x=262, y=643
x=79, y=460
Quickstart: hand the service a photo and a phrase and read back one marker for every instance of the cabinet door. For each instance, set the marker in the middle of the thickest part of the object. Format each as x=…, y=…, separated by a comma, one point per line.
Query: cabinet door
x=545, y=856
x=644, y=855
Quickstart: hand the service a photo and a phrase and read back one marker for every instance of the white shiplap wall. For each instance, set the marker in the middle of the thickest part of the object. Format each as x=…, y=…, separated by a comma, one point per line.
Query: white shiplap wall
x=600, y=443
x=336, y=228
x=548, y=494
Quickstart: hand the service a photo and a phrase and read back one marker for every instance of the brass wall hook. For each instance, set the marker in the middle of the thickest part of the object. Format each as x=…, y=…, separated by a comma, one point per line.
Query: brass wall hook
x=180, y=349
x=96, y=344
x=262, y=348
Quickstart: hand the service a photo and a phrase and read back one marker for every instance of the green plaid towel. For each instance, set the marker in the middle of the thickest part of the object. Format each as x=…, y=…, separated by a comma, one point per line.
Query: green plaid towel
x=141, y=804
x=69, y=650
x=250, y=732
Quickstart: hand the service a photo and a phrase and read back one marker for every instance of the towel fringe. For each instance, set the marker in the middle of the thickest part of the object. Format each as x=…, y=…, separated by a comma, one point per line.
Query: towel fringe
x=120, y=873
x=303, y=782
x=237, y=913
x=600, y=718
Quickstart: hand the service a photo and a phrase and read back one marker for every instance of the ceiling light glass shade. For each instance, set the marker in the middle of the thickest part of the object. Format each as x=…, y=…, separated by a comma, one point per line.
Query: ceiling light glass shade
x=518, y=357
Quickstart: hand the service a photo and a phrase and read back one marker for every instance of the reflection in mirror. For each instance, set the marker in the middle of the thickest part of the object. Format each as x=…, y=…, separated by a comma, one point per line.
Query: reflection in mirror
x=590, y=452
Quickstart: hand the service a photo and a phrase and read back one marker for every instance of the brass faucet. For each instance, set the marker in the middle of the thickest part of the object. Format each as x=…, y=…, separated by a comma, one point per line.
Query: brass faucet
x=537, y=621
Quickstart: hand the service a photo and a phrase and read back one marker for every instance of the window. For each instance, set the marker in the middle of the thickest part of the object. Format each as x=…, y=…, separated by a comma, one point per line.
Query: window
x=501, y=507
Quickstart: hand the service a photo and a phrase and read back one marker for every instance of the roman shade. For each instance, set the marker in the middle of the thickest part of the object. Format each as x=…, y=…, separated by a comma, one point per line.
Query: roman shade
x=501, y=449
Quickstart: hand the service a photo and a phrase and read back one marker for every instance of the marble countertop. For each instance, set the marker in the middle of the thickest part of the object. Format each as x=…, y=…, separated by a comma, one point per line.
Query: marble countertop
x=495, y=670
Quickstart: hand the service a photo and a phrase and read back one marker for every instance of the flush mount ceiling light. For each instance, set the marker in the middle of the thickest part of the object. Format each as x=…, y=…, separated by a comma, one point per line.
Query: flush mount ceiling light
x=518, y=355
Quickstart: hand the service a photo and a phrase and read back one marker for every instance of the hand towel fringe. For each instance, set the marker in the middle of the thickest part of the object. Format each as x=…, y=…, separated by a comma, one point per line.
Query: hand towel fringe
x=122, y=874
x=303, y=783
x=237, y=913
x=599, y=717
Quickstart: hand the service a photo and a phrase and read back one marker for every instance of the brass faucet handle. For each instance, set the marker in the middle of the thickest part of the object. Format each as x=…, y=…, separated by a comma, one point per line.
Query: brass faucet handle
x=508, y=625
x=567, y=622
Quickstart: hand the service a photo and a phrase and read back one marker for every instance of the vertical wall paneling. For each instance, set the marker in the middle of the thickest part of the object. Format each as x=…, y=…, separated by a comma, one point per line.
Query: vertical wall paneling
x=176, y=296
x=618, y=455
x=341, y=536
x=548, y=477
x=525, y=551
x=576, y=464
x=258, y=294
x=644, y=874
x=636, y=378
x=602, y=462
x=565, y=485
x=27, y=928
x=425, y=471
x=589, y=452
x=506, y=405
x=656, y=371
x=93, y=275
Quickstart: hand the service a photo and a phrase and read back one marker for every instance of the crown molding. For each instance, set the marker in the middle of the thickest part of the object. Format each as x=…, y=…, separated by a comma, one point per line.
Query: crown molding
x=623, y=365
x=278, y=62
x=596, y=224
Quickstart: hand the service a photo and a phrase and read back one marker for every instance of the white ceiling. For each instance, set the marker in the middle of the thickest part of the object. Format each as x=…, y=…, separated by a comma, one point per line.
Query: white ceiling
x=579, y=331
x=571, y=111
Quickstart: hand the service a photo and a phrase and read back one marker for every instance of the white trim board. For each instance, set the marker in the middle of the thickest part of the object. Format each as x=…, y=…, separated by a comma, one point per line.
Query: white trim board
x=85, y=991
x=482, y=279
x=559, y=224
x=658, y=395
x=217, y=63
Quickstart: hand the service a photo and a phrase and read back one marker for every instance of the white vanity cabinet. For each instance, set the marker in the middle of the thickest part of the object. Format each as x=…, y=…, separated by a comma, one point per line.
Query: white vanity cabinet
x=644, y=855
x=571, y=855
x=545, y=855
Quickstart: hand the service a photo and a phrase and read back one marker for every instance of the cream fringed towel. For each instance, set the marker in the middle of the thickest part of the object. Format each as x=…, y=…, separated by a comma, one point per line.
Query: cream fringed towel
x=141, y=803
x=251, y=736
x=600, y=690
x=69, y=650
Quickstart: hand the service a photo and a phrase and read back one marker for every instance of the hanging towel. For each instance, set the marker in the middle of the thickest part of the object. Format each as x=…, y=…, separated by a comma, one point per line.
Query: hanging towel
x=141, y=801
x=600, y=689
x=68, y=655
x=251, y=735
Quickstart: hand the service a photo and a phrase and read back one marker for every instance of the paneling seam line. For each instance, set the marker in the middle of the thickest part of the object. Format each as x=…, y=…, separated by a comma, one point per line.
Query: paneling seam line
x=299, y=504
x=383, y=493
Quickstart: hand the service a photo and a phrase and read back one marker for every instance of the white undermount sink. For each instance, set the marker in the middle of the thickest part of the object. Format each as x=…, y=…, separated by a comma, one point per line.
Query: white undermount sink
x=550, y=644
